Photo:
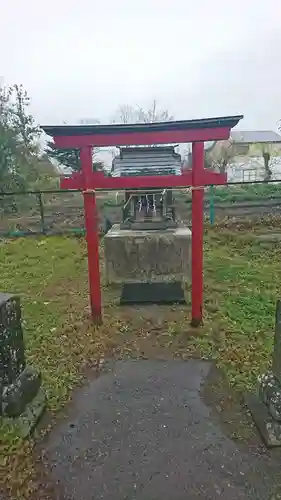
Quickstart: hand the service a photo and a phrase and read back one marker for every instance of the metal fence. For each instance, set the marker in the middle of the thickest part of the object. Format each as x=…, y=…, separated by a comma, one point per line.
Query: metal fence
x=60, y=211
x=52, y=212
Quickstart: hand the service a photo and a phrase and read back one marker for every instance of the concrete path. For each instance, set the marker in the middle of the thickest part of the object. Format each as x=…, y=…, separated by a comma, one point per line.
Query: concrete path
x=141, y=431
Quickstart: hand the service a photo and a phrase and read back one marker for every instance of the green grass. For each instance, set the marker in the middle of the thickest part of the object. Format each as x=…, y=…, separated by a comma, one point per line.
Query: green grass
x=243, y=279
x=250, y=192
x=34, y=268
x=246, y=192
x=242, y=283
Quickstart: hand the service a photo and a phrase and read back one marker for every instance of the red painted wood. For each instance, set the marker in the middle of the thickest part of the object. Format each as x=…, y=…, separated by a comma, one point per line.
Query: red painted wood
x=197, y=232
x=99, y=181
x=92, y=236
x=74, y=181
x=143, y=138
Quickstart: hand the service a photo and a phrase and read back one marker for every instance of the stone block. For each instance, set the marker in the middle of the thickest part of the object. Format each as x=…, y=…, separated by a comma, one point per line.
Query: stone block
x=276, y=358
x=22, y=399
x=12, y=360
x=24, y=424
x=268, y=427
x=17, y=395
x=265, y=406
x=137, y=256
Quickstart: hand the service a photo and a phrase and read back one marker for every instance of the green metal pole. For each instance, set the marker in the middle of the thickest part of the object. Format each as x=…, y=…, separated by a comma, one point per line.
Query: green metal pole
x=212, y=205
x=42, y=216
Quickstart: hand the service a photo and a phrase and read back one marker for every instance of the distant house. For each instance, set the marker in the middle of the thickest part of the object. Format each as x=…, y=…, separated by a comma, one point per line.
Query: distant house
x=247, y=142
x=254, y=153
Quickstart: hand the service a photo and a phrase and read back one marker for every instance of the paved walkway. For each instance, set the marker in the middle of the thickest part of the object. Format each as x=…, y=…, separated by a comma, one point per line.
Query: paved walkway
x=141, y=431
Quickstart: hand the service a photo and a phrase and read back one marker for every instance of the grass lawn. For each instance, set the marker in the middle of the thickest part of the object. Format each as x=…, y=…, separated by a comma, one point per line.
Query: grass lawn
x=242, y=283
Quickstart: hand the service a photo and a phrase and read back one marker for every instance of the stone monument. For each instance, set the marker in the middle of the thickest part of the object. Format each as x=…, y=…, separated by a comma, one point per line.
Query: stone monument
x=149, y=252
x=265, y=406
x=22, y=400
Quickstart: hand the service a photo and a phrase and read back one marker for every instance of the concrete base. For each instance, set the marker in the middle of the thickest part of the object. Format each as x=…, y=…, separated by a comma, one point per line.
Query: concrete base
x=137, y=256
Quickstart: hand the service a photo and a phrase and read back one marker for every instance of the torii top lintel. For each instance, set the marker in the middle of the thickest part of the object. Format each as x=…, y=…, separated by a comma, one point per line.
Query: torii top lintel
x=206, y=129
x=84, y=137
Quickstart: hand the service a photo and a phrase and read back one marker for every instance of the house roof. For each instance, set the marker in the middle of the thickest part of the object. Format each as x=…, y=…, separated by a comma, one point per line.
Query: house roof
x=76, y=130
x=254, y=136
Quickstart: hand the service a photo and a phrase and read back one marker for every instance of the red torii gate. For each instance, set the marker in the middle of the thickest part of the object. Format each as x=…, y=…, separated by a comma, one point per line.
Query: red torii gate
x=85, y=137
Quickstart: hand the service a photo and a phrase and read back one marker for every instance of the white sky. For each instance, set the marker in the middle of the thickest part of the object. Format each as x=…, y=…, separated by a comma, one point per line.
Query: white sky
x=198, y=58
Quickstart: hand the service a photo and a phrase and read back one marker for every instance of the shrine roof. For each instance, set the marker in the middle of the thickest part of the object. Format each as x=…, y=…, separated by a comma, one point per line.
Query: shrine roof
x=82, y=130
x=154, y=160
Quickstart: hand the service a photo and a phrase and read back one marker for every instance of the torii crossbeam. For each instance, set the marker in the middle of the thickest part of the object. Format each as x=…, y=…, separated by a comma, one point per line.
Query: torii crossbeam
x=85, y=138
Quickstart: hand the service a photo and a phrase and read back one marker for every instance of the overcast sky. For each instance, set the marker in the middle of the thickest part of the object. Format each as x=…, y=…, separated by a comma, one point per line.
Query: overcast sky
x=198, y=58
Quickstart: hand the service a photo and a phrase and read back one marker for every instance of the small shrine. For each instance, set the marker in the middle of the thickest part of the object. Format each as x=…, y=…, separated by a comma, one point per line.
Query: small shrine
x=144, y=209
x=154, y=208
x=150, y=249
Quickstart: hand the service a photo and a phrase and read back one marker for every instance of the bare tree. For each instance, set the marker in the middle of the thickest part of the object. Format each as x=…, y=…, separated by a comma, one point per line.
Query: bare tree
x=137, y=114
x=125, y=114
x=153, y=114
x=267, y=169
x=266, y=151
x=269, y=152
x=220, y=156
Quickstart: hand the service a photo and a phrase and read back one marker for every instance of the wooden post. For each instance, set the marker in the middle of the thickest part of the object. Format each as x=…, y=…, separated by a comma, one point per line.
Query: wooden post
x=92, y=235
x=42, y=215
x=212, y=205
x=197, y=232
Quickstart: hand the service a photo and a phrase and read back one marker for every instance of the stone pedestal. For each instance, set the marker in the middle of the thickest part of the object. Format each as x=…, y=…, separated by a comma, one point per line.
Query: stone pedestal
x=265, y=406
x=22, y=400
x=140, y=256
